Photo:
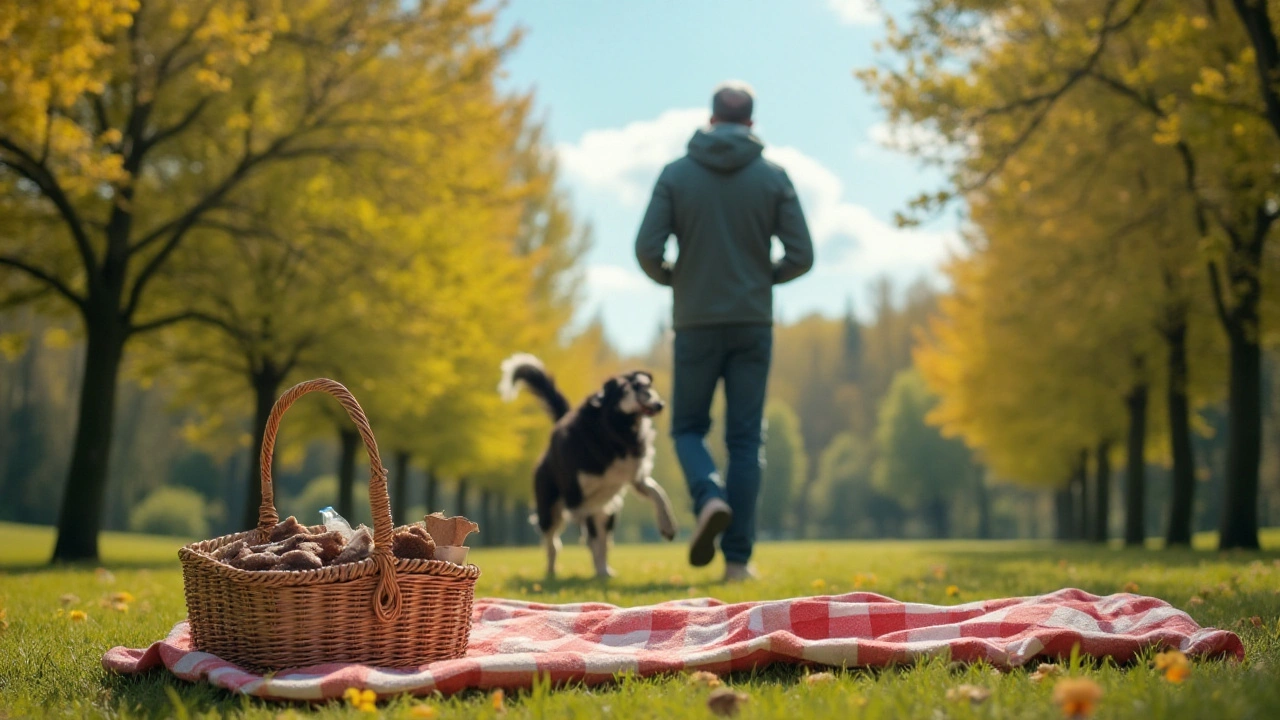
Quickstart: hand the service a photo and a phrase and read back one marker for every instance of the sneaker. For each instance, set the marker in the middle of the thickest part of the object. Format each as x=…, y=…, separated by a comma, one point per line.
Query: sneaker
x=713, y=520
x=739, y=572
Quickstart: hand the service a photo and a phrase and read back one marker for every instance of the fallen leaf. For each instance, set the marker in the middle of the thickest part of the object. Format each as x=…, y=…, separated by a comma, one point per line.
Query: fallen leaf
x=104, y=576
x=975, y=694
x=68, y=600
x=498, y=699
x=821, y=678
x=1195, y=600
x=705, y=679
x=1077, y=697
x=1046, y=670
x=1174, y=664
x=953, y=591
x=1130, y=587
x=726, y=701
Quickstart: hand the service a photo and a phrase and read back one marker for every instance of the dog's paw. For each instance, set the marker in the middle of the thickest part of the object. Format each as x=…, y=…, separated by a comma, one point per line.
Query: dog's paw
x=668, y=534
x=605, y=574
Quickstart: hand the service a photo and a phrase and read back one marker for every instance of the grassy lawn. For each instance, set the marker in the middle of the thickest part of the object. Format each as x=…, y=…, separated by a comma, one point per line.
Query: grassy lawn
x=50, y=666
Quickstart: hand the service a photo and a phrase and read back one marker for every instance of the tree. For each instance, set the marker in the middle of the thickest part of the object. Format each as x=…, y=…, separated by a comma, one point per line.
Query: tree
x=917, y=466
x=784, y=470
x=1002, y=74
x=137, y=125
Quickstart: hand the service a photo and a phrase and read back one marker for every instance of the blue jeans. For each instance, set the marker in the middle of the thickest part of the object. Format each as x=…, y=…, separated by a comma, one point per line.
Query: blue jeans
x=739, y=354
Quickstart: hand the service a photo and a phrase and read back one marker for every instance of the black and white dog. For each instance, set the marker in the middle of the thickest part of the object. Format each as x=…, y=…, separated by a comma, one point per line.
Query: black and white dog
x=596, y=452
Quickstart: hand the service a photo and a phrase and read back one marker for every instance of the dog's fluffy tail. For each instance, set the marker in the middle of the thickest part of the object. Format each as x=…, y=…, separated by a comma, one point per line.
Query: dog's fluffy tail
x=524, y=369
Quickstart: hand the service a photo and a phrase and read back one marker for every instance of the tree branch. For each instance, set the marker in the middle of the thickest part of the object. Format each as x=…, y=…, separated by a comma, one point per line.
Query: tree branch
x=191, y=116
x=37, y=173
x=167, y=320
x=1219, y=303
x=45, y=277
x=1047, y=100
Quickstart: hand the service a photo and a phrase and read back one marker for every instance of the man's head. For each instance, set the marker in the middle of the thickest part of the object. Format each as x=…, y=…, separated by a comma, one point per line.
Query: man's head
x=732, y=103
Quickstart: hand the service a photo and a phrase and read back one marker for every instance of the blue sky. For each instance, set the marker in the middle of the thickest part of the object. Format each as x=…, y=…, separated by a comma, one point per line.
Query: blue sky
x=622, y=86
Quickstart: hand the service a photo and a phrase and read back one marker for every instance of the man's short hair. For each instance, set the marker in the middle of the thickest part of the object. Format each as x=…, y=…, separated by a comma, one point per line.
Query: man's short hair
x=733, y=102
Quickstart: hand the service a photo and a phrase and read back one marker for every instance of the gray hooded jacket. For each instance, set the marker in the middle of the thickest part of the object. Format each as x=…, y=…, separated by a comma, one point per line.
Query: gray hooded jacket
x=724, y=202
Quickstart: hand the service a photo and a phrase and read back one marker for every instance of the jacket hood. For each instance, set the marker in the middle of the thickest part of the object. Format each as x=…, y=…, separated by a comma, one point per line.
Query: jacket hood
x=725, y=148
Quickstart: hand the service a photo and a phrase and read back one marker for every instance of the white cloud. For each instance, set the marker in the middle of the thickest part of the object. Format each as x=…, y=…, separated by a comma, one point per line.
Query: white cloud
x=855, y=12
x=626, y=160
x=611, y=279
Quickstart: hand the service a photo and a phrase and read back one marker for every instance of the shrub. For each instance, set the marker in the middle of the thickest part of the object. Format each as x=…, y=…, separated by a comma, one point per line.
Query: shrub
x=172, y=511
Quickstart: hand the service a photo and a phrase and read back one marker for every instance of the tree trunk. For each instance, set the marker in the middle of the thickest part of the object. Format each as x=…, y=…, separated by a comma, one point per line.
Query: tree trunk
x=486, y=516
x=1102, y=493
x=1182, y=496
x=461, y=498
x=266, y=388
x=80, y=517
x=1136, y=467
x=983, y=498
x=400, y=487
x=519, y=523
x=1064, y=513
x=940, y=517
x=1239, y=525
x=432, y=485
x=349, y=439
x=1081, y=480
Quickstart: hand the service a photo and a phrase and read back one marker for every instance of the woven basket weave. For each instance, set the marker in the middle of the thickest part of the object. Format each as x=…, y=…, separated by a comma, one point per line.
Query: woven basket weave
x=380, y=611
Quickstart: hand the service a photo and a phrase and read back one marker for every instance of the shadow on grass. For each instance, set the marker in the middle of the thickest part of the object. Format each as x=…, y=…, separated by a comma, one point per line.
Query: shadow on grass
x=536, y=585
x=30, y=567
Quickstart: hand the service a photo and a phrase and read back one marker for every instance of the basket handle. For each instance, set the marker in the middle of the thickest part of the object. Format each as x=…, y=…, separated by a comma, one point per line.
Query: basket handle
x=386, y=603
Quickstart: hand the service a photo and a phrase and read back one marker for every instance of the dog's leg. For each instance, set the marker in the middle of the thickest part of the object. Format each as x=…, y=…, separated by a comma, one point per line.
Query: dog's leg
x=666, y=517
x=551, y=538
x=599, y=527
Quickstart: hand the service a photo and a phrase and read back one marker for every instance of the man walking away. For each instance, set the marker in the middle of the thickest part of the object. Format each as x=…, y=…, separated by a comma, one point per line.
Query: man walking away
x=724, y=203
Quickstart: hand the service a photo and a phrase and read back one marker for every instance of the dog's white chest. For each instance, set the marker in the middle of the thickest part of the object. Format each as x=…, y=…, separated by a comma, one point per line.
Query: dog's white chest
x=603, y=493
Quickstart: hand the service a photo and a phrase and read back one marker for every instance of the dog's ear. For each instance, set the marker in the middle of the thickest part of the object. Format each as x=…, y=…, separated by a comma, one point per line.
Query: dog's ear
x=608, y=394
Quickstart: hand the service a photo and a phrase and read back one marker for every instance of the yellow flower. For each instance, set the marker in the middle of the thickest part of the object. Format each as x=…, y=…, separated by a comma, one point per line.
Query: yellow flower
x=497, y=700
x=1175, y=666
x=818, y=584
x=120, y=607
x=953, y=591
x=1077, y=697
x=705, y=679
x=122, y=597
x=362, y=700
x=78, y=616
x=426, y=712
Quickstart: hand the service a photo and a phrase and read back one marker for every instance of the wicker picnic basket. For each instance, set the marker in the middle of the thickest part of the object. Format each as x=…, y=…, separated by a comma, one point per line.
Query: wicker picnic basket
x=381, y=611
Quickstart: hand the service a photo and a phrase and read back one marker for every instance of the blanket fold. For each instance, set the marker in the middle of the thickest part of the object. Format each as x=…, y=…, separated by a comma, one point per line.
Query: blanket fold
x=514, y=642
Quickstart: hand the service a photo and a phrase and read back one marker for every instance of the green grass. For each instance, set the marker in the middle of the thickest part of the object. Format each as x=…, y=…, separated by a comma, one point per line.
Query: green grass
x=50, y=666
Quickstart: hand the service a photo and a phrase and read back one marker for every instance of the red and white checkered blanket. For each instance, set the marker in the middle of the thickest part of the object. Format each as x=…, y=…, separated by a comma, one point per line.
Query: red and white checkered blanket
x=514, y=642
